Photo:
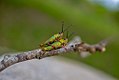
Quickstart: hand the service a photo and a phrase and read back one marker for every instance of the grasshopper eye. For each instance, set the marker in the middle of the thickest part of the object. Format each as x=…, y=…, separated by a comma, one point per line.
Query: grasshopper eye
x=60, y=32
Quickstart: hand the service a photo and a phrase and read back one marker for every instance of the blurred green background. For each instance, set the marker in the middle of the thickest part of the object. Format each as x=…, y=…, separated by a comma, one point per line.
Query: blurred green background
x=24, y=24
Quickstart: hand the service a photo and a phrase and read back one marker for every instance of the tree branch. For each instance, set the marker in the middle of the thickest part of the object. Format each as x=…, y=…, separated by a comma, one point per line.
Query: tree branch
x=74, y=46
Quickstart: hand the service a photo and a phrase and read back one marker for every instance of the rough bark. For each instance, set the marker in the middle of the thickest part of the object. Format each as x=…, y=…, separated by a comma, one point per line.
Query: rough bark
x=74, y=46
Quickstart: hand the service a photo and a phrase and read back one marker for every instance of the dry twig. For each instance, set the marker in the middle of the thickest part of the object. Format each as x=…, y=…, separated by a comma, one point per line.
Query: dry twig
x=74, y=46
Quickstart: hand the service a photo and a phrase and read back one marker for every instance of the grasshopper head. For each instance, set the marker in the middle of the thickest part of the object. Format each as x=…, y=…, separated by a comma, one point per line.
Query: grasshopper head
x=41, y=45
x=61, y=34
x=65, y=41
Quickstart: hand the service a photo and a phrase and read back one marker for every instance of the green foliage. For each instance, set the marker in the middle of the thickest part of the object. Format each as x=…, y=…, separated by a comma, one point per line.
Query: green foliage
x=24, y=24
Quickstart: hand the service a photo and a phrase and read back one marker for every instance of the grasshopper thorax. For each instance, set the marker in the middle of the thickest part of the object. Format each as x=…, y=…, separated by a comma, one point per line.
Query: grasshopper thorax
x=63, y=41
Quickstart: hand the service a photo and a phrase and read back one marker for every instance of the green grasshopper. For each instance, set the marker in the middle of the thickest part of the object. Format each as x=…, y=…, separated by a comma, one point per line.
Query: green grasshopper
x=54, y=38
x=58, y=44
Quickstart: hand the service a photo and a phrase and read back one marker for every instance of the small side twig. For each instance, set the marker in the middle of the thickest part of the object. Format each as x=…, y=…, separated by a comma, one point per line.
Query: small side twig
x=9, y=60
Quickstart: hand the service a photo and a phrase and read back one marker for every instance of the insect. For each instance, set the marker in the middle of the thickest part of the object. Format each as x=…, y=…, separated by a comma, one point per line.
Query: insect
x=58, y=44
x=54, y=38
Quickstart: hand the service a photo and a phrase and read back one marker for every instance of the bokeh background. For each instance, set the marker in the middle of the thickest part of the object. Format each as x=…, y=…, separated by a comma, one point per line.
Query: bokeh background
x=24, y=24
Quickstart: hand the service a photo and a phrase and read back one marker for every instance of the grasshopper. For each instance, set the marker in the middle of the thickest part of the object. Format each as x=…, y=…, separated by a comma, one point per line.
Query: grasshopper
x=58, y=44
x=54, y=38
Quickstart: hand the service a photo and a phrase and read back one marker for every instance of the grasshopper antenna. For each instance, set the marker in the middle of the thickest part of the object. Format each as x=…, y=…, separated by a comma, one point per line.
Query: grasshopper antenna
x=62, y=26
x=67, y=34
x=71, y=35
x=67, y=28
x=63, y=30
